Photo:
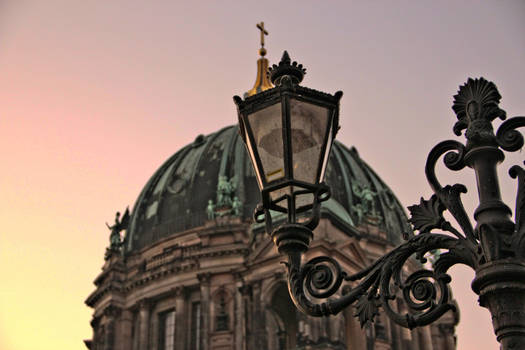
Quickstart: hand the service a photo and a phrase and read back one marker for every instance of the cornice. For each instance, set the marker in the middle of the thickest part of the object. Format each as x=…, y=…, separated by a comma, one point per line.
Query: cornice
x=94, y=297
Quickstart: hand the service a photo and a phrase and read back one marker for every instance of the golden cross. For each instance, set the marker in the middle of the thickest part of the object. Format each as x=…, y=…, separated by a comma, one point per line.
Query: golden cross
x=264, y=32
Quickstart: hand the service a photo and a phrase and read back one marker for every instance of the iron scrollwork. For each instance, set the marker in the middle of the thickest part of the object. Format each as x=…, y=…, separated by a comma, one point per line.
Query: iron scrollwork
x=320, y=287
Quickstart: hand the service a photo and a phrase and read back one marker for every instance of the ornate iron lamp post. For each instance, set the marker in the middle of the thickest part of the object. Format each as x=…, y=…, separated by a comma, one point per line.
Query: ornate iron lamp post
x=288, y=132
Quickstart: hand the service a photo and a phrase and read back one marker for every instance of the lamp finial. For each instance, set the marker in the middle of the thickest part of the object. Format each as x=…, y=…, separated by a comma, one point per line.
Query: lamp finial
x=287, y=68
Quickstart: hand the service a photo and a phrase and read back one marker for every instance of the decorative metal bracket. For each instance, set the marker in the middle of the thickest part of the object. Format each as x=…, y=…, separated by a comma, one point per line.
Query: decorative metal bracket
x=317, y=287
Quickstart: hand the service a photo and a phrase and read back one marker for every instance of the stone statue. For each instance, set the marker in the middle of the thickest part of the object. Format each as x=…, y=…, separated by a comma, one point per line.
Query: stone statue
x=223, y=192
x=227, y=203
x=359, y=212
x=115, y=241
x=236, y=206
x=233, y=185
x=210, y=210
x=367, y=196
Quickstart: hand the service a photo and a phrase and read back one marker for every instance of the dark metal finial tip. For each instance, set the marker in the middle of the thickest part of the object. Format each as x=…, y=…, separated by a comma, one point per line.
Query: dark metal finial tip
x=237, y=100
x=286, y=58
x=288, y=68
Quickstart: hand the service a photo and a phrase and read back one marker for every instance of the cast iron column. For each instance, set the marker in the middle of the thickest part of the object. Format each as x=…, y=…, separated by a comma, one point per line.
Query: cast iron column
x=501, y=288
x=500, y=277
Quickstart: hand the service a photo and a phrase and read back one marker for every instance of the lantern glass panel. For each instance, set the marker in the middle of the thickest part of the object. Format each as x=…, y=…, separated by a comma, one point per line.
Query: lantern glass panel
x=309, y=124
x=253, y=160
x=327, y=152
x=280, y=196
x=304, y=199
x=267, y=128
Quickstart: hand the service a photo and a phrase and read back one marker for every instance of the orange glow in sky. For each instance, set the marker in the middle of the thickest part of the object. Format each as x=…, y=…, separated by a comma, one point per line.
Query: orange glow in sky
x=95, y=95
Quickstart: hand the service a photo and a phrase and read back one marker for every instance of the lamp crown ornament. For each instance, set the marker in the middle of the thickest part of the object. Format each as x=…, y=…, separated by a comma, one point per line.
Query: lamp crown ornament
x=288, y=68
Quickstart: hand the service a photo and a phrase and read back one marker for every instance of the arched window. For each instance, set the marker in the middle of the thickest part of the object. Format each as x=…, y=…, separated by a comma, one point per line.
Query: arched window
x=283, y=319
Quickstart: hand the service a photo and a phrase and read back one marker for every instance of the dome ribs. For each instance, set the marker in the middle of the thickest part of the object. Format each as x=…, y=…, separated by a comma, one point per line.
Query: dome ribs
x=192, y=176
x=239, y=171
x=169, y=177
x=139, y=206
x=227, y=154
x=348, y=203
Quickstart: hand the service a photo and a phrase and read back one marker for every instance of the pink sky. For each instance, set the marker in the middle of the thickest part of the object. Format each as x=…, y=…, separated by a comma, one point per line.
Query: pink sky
x=97, y=94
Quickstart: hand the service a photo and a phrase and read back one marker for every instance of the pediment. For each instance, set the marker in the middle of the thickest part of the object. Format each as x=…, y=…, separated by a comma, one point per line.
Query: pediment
x=265, y=250
x=352, y=254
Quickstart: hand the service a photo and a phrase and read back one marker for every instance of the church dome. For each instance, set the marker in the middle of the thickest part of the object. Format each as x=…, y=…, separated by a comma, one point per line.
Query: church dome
x=177, y=196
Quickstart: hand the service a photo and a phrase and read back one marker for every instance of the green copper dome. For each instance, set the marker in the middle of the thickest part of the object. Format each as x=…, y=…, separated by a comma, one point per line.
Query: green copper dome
x=184, y=192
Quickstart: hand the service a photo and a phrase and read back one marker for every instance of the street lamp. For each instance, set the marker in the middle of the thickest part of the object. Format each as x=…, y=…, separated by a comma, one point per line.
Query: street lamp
x=288, y=131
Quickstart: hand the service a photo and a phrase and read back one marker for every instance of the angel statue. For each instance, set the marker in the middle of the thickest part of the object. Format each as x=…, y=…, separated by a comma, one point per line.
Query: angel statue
x=367, y=196
x=120, y=224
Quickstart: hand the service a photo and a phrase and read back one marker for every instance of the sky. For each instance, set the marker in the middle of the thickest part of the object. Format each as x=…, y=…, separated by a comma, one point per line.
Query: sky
x=95, y=95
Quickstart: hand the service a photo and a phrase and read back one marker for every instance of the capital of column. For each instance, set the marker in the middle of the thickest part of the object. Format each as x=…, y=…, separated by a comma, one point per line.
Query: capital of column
x=245, y=290
x=144, y=303
x=446, y=329
x=112, y=311
x=95, y=321
x=204, y=277
x=180, y=292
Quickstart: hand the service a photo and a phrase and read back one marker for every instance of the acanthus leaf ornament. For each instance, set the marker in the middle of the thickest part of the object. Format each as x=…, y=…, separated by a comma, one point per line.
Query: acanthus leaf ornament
x=454, y=153
x=427, y=215
x=367, y=307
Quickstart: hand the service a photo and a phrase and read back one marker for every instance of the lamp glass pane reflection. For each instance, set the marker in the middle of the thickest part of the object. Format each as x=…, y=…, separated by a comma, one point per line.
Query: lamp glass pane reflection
x=267, y=128
x=309, y=124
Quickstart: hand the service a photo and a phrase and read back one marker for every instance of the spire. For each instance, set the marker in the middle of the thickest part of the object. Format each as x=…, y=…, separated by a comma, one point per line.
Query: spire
x=261, y=82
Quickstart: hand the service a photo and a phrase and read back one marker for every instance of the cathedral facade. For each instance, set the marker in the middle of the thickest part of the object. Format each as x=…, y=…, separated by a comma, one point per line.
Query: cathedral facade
x=194, y=272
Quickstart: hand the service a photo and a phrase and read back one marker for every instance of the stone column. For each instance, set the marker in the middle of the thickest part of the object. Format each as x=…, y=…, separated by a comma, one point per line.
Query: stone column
x=238, y=321
x=109, y=335
x=395, y=334
x=204, y=279
x=425, y=338
x=245, y=291
x=259, y=319
x=337, y=334
x=144, y=314
x=111, y=314
x=355, y=336
x=415, y=343
x=181, y=321
x=124, y=339
x=446, y=333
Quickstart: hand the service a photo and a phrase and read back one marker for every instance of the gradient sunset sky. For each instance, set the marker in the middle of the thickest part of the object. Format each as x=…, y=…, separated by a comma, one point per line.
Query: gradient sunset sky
x=95, y=95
